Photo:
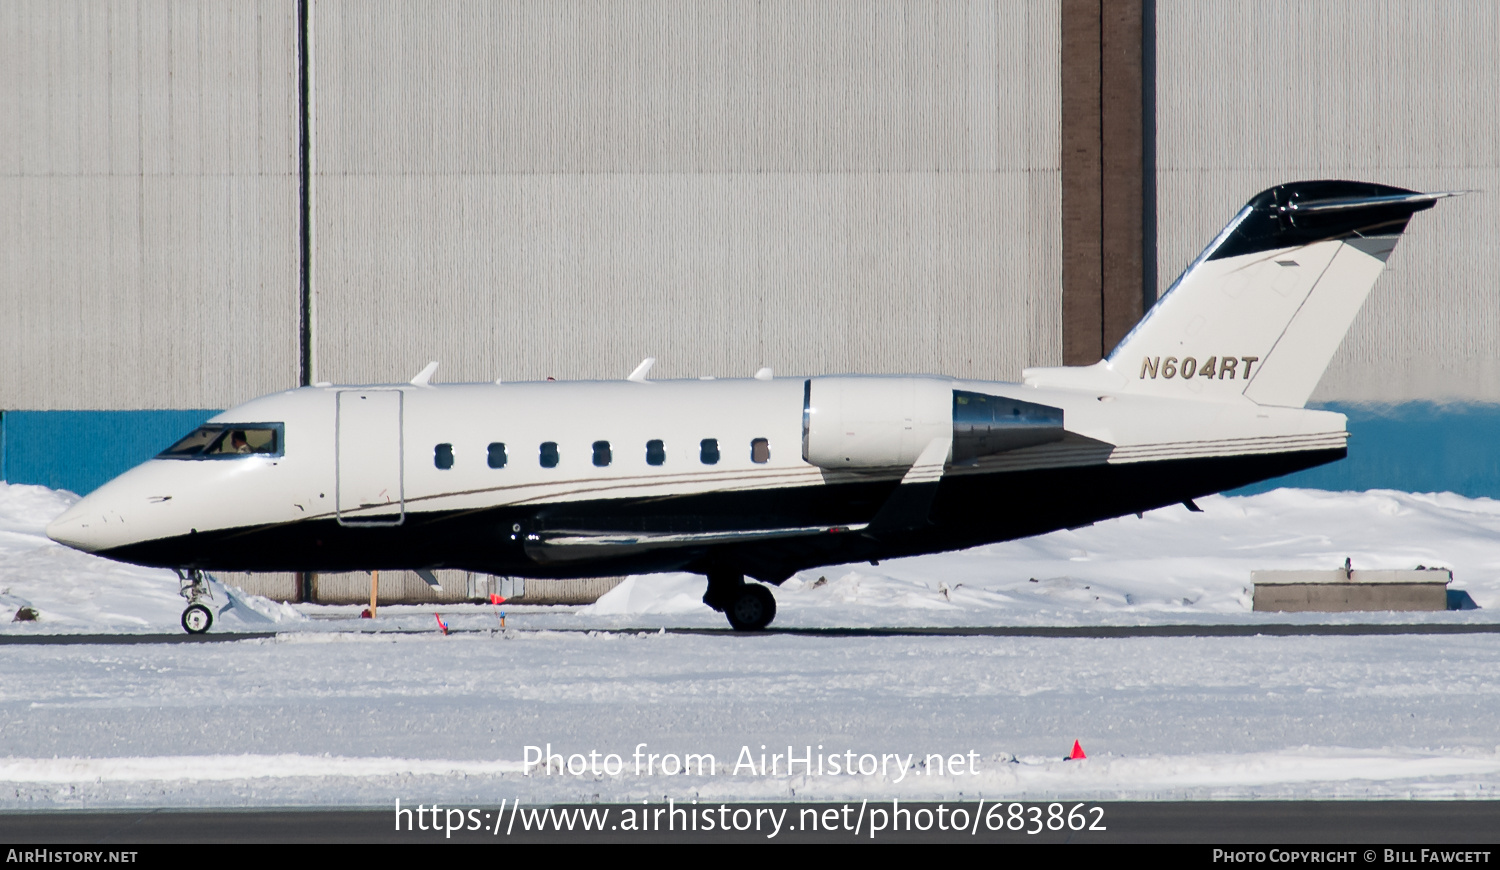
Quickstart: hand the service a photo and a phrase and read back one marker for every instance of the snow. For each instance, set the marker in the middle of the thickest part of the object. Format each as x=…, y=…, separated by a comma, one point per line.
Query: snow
x=74, y=592
x=1168, y=566
x=336, y=710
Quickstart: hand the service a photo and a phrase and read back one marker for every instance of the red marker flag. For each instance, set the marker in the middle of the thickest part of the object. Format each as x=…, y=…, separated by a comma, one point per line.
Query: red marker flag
x=1077, y=752
x=441, y=624
x=497, y=599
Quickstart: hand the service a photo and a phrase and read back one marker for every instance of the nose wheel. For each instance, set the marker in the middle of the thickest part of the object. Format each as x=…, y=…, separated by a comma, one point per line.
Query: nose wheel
x=192, y=584
x=196, y=619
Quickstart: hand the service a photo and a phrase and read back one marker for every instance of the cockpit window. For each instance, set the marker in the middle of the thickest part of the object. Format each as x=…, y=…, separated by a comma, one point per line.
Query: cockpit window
x=227, y=441
x=193, y=444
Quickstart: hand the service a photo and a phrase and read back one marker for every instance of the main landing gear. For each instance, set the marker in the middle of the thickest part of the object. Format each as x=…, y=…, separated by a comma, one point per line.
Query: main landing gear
x=749, y=606
x=193, y=585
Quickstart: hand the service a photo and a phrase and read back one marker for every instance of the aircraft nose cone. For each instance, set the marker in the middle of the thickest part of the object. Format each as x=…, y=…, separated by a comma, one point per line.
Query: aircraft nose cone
x=73, y=529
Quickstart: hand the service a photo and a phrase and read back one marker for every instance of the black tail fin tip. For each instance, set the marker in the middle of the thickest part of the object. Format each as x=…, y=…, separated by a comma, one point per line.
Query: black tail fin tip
x=1303, y=212
x=1259, y=314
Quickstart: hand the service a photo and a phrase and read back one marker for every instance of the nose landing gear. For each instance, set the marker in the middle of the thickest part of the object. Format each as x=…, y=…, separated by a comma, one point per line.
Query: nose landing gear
x=197, y=619
x=193, y=585
x=749, y=606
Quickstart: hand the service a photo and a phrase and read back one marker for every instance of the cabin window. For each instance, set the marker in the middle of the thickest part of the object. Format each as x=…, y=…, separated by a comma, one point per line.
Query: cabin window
x=760, y=451
x=442, y=456
x=602, y=455
x=549, y=454
x=497, y=455
x=227, y=441
x=656, y=452
x=708, y=451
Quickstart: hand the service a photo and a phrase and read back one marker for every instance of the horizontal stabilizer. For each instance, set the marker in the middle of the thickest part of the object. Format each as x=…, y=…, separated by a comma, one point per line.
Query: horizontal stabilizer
x=1358, y=202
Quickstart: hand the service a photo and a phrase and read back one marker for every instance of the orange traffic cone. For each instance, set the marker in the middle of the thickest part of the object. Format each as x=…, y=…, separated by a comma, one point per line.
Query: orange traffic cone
x=1077, y=752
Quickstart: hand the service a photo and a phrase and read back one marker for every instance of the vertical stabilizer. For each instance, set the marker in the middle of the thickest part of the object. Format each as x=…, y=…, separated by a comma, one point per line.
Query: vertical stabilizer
x=1262, y=310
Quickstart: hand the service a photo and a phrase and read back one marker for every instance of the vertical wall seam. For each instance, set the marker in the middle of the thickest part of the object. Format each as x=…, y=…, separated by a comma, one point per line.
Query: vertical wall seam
x=1081, y=140
x=1148, y=155
x=301, y=580
x=304, y=187
x=310, y=112
x=1099, y=195
x=1121, y=185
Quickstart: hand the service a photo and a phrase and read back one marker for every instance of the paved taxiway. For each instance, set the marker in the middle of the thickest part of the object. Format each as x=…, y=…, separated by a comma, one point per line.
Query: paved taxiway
x=1060, y=631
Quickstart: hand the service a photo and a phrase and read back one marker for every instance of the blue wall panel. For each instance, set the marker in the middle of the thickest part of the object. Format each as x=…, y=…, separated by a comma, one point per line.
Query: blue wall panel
x=1413, y=446
x=81, y=450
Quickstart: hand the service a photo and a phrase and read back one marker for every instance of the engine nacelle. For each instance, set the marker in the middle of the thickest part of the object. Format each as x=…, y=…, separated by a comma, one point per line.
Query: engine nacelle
x=873, y=422
x=876, y=422
x=984, y=425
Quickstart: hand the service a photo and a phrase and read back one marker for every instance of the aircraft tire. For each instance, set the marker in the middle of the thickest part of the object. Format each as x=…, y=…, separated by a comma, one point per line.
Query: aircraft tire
x=753, y=609
x=197, y=619
x=723, y=589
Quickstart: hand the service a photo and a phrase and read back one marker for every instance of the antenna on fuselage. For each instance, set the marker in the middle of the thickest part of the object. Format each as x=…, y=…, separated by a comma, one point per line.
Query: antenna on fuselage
x=425, y=375
x=639, y=375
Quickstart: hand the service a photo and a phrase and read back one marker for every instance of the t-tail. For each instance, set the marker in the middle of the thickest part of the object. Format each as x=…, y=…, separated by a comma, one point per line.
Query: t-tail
x=1262, y=310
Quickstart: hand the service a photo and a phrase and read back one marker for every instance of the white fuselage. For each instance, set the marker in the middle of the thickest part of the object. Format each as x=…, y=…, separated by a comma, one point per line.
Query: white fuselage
x=368, y=460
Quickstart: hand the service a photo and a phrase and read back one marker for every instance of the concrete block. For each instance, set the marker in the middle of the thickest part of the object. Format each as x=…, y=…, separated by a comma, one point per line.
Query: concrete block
x=1341, y=590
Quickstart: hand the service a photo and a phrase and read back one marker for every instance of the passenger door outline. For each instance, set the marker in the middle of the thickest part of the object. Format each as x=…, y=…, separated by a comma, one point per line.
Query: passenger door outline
x=370, y=458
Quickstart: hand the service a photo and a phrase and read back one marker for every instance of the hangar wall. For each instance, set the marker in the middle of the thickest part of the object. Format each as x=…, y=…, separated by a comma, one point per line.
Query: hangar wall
x=551, y=188
x=1403, y=92
x=532, y=189
x=148, y=203
x=526, y=190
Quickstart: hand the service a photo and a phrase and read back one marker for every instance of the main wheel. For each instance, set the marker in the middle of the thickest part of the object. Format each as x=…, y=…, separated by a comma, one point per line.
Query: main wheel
x=197, y=618
x=753, y=609
x=723, y=588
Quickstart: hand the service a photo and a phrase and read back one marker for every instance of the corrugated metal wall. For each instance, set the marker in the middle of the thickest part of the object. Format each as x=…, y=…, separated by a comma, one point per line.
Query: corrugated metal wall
x=532, y=189
x=523, y=190
x=551, y=188
x=148, y=203
x=1405, y=92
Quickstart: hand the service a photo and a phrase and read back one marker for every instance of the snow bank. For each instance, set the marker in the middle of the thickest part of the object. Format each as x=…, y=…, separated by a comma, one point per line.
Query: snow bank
x=1170, y=565
x=1301, y=773
x=201, y=768
x=75, y=592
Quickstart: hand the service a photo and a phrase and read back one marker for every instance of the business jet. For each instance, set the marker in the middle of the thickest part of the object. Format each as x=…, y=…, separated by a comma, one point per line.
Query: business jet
x=762, y=477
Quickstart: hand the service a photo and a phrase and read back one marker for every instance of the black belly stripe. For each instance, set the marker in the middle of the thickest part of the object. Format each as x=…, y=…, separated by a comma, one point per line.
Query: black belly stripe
x=969, y=510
